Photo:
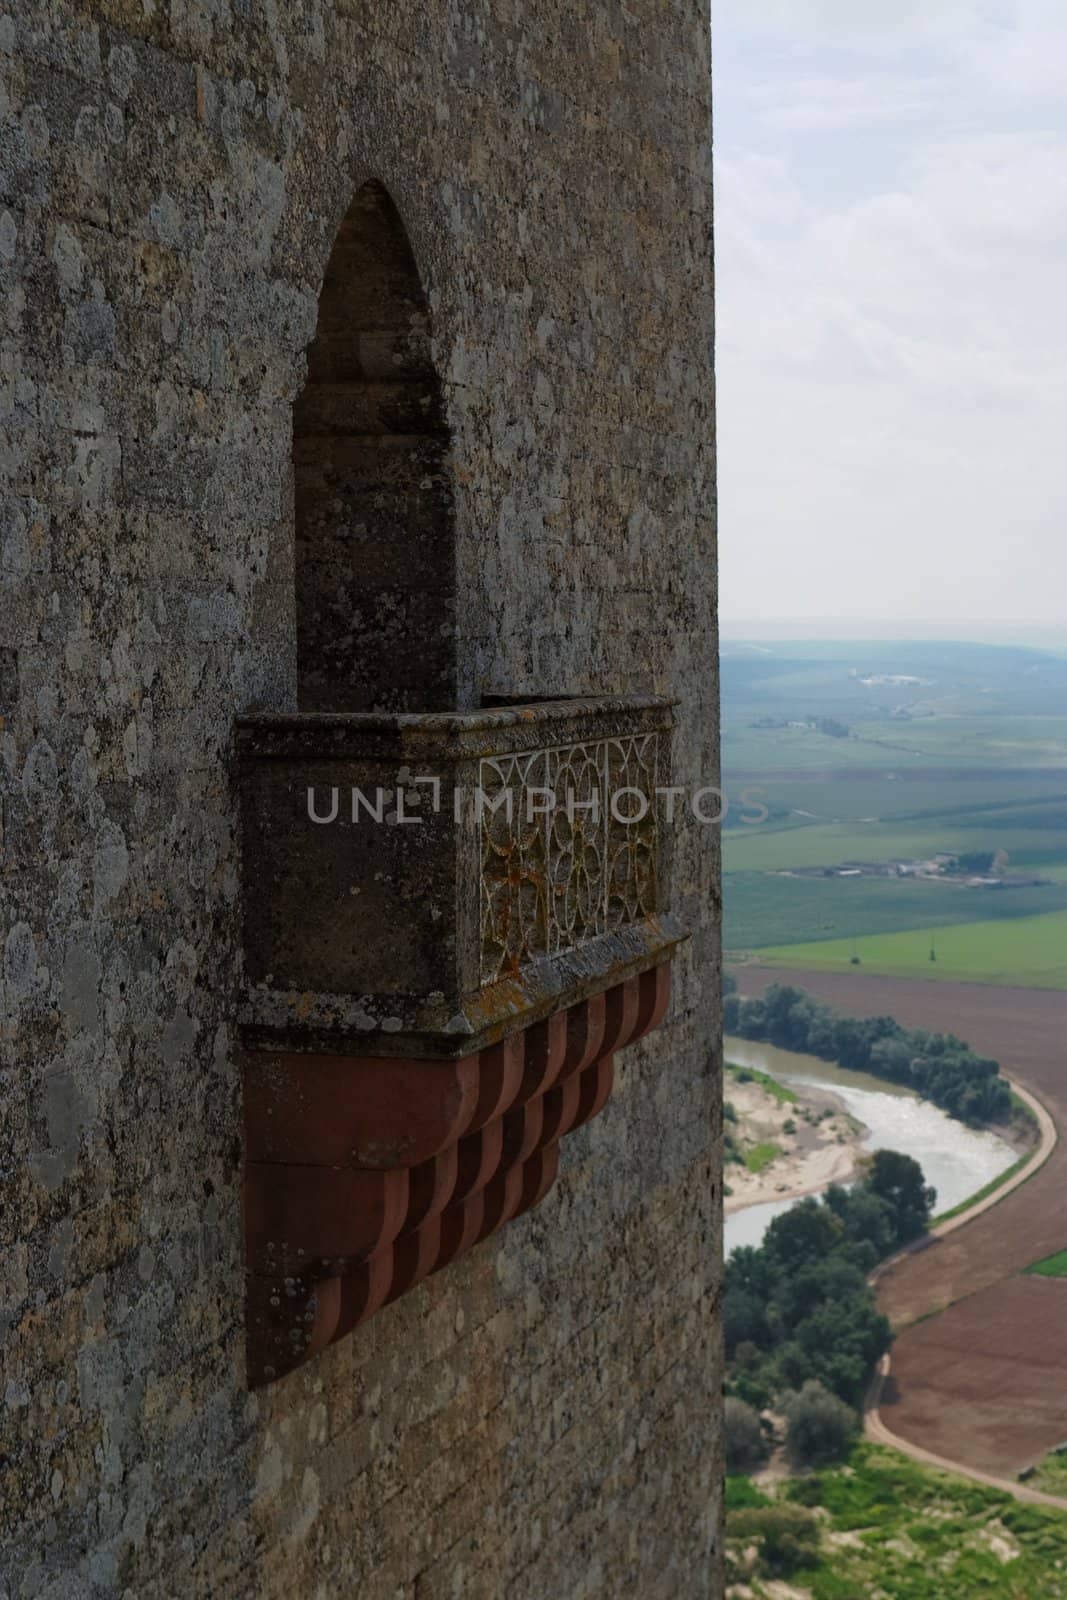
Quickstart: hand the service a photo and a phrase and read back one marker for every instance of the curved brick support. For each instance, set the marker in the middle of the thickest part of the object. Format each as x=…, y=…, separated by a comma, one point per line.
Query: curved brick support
x=460, y=1226
x=299, y=1216
x=502, y=1201
x=364, y=1176
x=538, y=1176
x=500, y=1078
x=545, y=1049
x=364, y=1293
x=558, y=1110
x=414, y=1257
x=622, y=1014
x=287, y=1323
x=586, y=1026
x=367, y=1111
x=595, y=1088
x=430, y=1187
x=654, y=993
x=522, y=1129
x=479, y=1159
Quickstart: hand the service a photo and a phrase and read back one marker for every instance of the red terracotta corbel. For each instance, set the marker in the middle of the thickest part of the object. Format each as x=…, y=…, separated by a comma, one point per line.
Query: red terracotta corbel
x=378, y=1112
x=366, y=1175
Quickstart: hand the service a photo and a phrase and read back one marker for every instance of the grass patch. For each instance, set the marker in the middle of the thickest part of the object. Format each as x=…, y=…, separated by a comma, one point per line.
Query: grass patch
x=742, y=1495
x=1050, y=1475
x=1028, y=951
x=784, y=1095
x=761, y=1156
x=892, y=1528
x=1051, y=1267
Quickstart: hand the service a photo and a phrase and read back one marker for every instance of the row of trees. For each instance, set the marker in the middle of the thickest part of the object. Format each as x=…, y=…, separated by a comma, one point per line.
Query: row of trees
x=937, y=1066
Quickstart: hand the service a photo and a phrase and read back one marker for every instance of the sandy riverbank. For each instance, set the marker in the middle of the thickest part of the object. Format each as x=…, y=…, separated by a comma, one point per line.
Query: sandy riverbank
x=817, y=1142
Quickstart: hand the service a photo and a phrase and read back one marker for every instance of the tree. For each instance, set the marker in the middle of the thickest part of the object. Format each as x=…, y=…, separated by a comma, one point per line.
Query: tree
x=891, y=1058
x=977, y=861
x=829, y=1278
x=746, y=1447
x=803, y=1233
x=851, y=1043
x=865, y=1217
x=752, y=1020
x=821, y=1035
x=750, y=1268
x=790, y=1016
x=744, y=1318
x=819, y=1427
x=839, y=1343
x=747, y=1354
x=898, y=1180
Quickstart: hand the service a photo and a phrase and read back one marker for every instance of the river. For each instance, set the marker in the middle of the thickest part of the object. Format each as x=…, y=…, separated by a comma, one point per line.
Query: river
x=957, y=1160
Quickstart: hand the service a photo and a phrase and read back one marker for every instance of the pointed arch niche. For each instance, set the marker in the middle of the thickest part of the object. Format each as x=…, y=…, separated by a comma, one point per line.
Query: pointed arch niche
x=375, y=525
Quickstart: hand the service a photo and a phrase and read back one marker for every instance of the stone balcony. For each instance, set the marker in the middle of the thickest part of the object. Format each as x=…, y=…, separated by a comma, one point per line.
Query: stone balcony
x=452, y=923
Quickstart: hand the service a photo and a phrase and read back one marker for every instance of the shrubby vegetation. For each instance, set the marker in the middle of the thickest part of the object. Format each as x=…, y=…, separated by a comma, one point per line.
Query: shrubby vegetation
x=746, y=1445
x=937, y=1066
x=800, y=1308
x=974, y=861
x=890, y=1527
x=785, y=1537
x=820, y=1427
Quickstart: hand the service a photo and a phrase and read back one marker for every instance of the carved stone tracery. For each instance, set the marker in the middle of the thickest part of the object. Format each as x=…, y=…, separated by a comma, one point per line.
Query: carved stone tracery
x=569, y=847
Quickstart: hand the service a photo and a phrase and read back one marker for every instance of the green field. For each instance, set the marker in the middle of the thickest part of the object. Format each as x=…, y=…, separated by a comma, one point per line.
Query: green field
x=766, y=909
x=1028, y=951
x=890, y=1528
x=874, y=752
x=772, y=847
x=1052, y=1266
x=961, y=741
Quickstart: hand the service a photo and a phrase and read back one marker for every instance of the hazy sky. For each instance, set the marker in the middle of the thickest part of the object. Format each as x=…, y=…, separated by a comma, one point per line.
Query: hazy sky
x=892, y=324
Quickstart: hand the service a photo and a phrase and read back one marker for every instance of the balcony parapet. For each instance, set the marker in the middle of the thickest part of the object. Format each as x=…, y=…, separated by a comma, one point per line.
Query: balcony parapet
x=464, y=913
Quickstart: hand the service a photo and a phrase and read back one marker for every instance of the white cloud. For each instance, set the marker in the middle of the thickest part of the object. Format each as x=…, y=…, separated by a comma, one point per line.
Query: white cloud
x=813, y=103
x=1022, y=53
x=892, y=324
x=867, y=22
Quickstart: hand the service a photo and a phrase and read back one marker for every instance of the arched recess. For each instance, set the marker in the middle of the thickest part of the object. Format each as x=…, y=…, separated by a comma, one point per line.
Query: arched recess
x=375, y=527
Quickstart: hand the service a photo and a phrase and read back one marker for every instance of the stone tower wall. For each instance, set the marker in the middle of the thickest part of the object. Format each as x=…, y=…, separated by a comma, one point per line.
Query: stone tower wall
x=542, y=1419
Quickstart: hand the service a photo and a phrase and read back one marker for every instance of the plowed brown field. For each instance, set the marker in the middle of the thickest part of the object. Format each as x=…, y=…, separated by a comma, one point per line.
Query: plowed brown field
x=986, y=1382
